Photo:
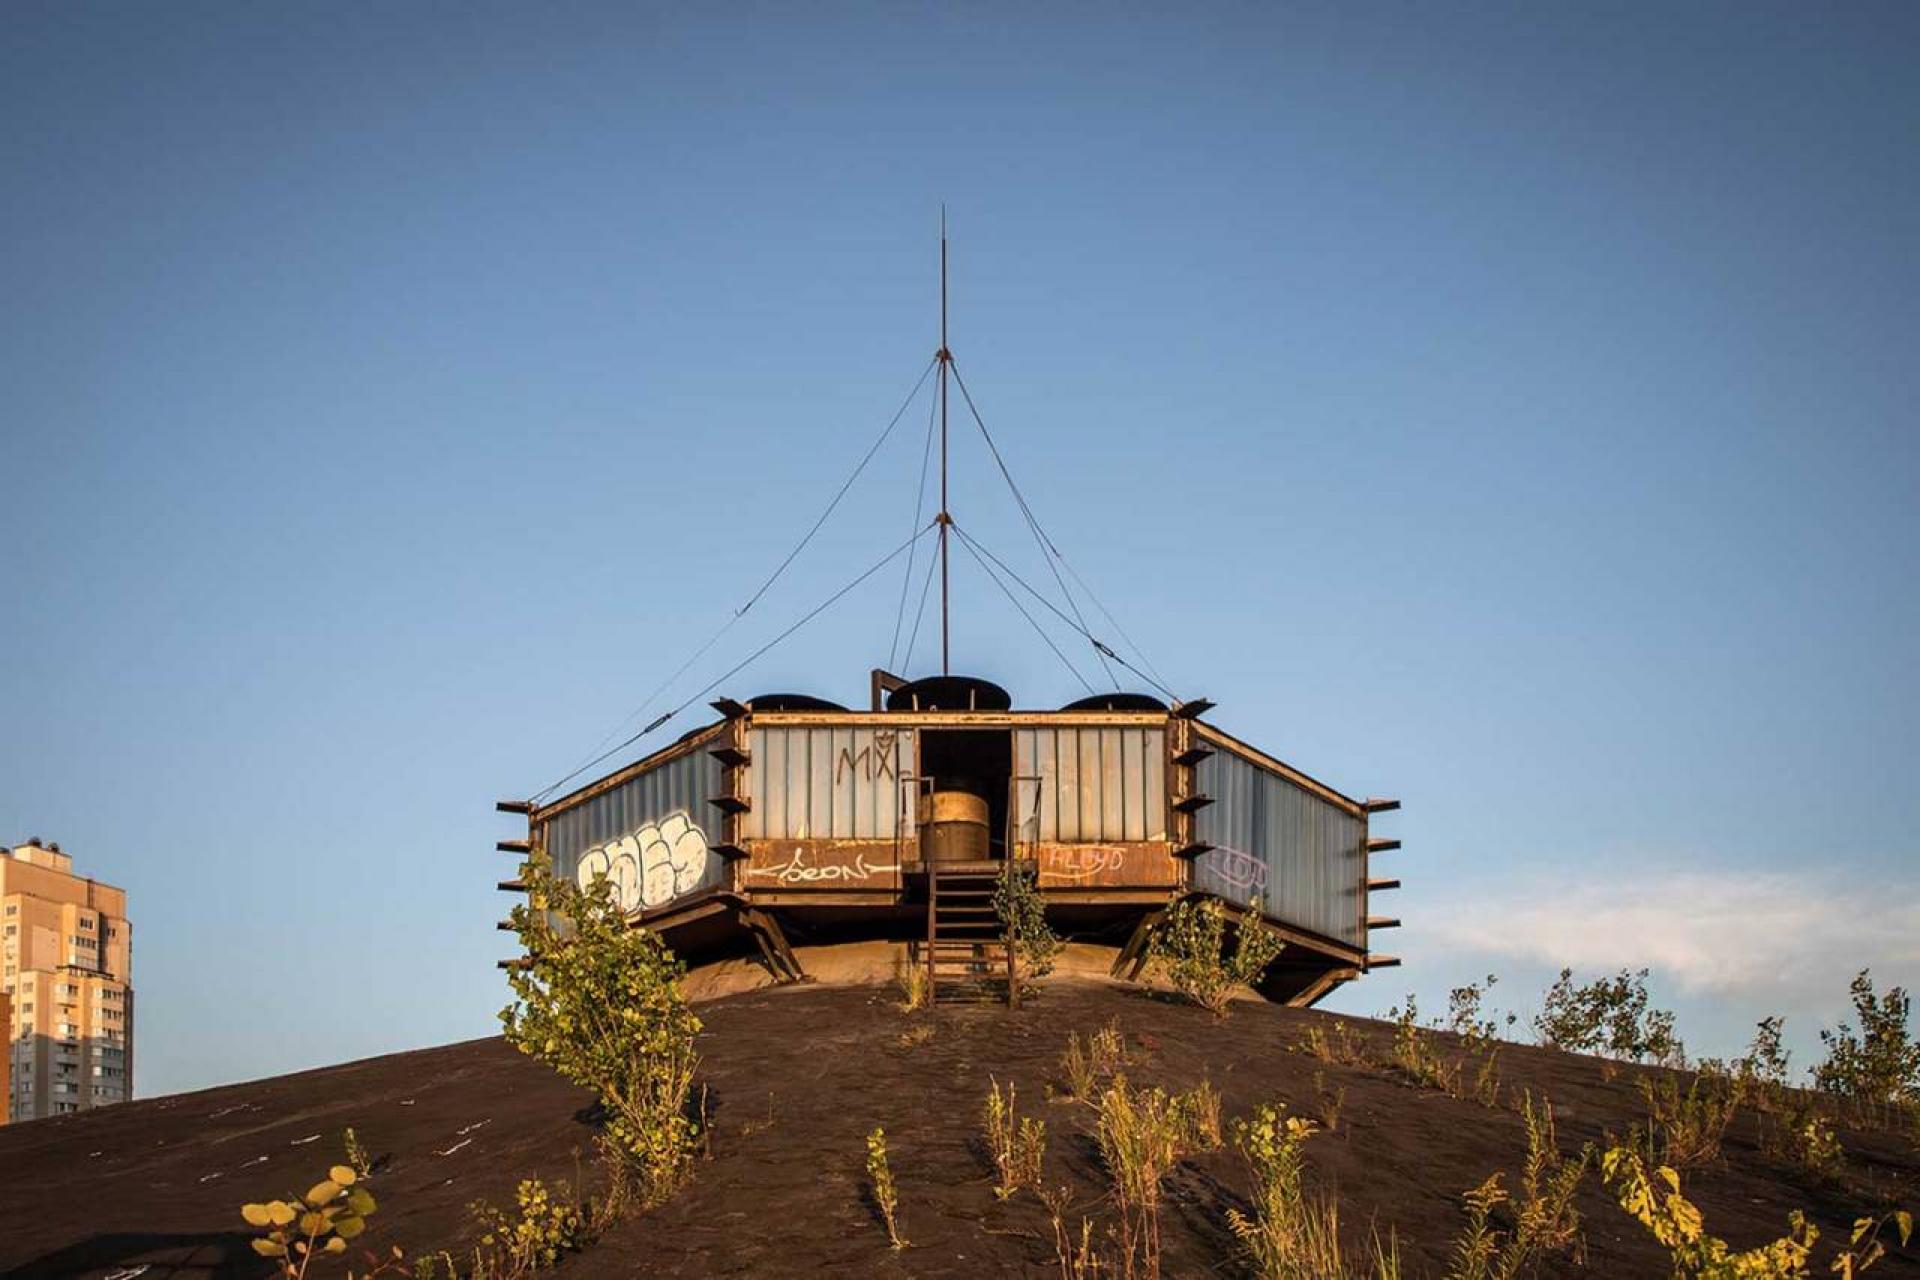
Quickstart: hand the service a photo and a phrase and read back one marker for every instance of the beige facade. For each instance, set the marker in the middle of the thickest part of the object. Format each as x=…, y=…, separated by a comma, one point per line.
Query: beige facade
x=66, y=967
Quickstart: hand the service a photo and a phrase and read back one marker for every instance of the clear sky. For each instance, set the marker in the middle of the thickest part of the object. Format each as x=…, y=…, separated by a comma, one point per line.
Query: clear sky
x=1506, y=408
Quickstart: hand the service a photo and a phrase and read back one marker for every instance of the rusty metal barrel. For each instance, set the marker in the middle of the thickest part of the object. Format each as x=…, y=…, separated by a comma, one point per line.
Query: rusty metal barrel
x=958, y=828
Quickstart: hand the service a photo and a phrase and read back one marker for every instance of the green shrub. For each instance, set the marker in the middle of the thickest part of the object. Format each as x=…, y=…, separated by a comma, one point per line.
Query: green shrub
x=1017, y=903
x=1801, y=1136
x=1879, y=1065
x=1610, y=1017
x=600, y=1002
x=1657, y=1203
x=1465, y=1017
x=1191, y=945
x=545, y=1226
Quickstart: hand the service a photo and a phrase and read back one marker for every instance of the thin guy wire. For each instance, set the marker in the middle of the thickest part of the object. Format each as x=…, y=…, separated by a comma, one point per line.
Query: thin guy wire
x=742, y=665
x=1048, y=551
x=741, y=612
x=1092, y=639
x=1038, y=629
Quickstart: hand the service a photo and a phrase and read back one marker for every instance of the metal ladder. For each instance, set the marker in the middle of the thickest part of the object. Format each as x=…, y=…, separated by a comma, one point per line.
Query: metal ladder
x=969, y=954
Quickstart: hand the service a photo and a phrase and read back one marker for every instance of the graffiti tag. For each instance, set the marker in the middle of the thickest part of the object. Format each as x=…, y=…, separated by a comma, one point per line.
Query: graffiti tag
x=874, y=761
x=1081, y=864
x=1237, y=870
x=796, y=870
x=655, y=864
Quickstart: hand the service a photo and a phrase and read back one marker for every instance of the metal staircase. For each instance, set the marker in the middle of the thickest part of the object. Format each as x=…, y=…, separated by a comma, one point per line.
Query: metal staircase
x=969, y=954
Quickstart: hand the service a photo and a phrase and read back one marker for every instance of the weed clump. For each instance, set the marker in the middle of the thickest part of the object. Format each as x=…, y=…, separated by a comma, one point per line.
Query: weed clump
x=910, y=980
x=359, y=1159
x=1545, y=1222
x=1139, y=1136
x=1414, y=1055
x=1196, y=1118
x=1016, y=1143
x=886, y=1197
x=1084, y=1067
x=1685, y=1129
x=546, y=1223
x=1190, y=944
x=1341, y=1048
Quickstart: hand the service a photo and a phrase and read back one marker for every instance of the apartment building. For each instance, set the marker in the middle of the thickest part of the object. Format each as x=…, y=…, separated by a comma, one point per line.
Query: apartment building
x=66, y=967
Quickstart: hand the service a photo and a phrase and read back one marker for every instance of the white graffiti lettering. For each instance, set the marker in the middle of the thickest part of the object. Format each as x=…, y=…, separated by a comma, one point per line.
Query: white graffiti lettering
x=651, y=866
x=1082, y=864
x=796, y=871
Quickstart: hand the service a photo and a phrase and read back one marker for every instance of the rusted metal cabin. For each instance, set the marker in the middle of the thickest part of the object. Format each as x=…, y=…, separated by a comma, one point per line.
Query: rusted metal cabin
x=793, y=822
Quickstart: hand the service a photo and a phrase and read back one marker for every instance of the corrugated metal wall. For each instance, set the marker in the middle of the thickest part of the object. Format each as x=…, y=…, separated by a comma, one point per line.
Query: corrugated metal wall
x=830, y=784
x=1279, y=842
x=1095, y=784
x=679, y=786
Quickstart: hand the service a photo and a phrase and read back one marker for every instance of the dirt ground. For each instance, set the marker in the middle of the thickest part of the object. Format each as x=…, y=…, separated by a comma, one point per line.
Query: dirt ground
x=797, y=1077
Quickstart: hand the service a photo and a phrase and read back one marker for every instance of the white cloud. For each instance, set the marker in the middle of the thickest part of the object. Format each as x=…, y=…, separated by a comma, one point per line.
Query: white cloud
x=1721, y=932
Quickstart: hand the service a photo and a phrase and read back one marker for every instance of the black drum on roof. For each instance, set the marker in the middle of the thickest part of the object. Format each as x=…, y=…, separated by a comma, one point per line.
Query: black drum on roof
x=950, y=693
x=1117, y=702
x=791, y=702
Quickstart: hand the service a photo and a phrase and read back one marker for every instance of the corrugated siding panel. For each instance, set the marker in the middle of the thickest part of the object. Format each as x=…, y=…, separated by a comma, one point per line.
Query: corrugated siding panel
x=829, y=783
x=640, y=805
x=1276, y=841
x=1096, y=785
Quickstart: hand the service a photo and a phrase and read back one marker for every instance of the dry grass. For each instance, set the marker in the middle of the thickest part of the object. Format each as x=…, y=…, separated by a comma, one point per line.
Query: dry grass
x=910, y=980
x=1139, y=1135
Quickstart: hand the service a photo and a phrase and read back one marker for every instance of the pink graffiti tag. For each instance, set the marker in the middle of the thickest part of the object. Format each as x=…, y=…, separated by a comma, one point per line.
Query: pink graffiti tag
x=1238, y=870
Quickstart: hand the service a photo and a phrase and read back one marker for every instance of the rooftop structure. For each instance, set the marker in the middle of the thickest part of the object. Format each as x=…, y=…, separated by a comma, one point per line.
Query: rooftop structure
x=793, y=822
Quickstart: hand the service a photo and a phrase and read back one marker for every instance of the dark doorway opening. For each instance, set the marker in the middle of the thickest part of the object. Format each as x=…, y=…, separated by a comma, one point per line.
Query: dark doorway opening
x=977, y=761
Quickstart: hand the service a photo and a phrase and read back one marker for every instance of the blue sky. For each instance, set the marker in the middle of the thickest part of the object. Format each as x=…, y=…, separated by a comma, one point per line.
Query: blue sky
x=1506, y=409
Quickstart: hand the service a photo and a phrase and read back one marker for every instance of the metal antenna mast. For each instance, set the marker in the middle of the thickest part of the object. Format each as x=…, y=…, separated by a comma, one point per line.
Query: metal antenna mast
x=945, y=519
